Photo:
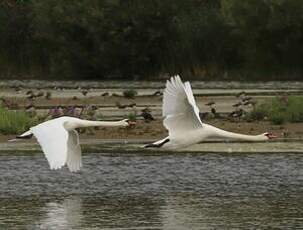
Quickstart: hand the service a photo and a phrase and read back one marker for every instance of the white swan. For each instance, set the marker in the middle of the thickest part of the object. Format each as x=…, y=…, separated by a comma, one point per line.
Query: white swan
x=60, y=140
x=183, y=122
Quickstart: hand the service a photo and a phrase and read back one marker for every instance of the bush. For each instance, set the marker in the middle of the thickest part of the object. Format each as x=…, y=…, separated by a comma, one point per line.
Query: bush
x=280, y=110
x=131, y=93
x=131, y=117
x=14, y=122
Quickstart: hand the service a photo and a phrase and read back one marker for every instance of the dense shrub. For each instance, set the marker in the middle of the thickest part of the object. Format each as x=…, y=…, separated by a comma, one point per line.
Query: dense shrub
x=14, y=122
x=135, y=39
x=280, y=110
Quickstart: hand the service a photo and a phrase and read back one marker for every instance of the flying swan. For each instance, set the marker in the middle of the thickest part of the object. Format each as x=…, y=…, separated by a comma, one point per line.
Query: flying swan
x=183, y=122
x=59, y=139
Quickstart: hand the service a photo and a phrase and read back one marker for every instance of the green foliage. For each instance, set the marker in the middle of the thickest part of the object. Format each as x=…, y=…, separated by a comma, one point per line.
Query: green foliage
x=280, y=110
x=137, y=39
x=131, y=117
x=130, y=93
x=14, y=122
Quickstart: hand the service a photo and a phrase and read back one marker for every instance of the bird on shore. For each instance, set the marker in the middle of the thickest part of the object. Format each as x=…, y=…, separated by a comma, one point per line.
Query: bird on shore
x=59, y=139
x=183, y=122
x=244, y=99
x=237, y=104
x=237, y=113
x=250, y=103
x=157, y=93
x=146, y=114
x=48, y=95
x=210, y=104
x=105, y=94
x=84, y=92
x=241, y=94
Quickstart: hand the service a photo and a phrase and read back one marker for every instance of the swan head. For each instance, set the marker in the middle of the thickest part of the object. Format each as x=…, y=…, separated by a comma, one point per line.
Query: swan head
x=127, y=122
x=268, y=136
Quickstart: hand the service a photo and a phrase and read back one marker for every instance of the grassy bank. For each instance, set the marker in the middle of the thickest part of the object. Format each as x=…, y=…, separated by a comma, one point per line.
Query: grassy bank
x=14, y=122
x=280, y=110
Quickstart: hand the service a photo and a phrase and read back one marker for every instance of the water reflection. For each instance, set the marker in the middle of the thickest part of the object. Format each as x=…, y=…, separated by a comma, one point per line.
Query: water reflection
x=61, y=215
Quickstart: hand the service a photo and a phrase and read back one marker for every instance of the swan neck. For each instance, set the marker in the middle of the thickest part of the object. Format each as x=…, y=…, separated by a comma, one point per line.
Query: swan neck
x=235, y=136
x=87, y=123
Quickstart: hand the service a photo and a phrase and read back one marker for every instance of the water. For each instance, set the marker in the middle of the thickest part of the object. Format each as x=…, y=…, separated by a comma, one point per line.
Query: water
x=175, y=191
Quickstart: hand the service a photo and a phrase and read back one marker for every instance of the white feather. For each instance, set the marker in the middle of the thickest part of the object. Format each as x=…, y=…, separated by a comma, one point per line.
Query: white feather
x=179, y=108
x=74, y=158
x=60, y=141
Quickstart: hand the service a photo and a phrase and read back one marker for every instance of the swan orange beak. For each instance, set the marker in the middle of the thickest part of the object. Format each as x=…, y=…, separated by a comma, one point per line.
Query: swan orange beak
x=131, y=123
x=271, y=135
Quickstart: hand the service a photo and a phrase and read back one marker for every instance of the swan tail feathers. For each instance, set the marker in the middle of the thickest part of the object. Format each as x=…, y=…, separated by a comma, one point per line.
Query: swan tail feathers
x=157, y=144
x=27, y=135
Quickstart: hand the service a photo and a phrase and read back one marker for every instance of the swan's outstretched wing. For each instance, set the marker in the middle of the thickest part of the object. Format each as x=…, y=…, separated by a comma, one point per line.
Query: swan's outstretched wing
x=179, y=107
x=53, y=137
x=74, y=158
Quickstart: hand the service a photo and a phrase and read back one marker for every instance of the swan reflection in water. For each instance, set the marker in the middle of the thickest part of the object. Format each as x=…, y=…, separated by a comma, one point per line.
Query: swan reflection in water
x=65, y=214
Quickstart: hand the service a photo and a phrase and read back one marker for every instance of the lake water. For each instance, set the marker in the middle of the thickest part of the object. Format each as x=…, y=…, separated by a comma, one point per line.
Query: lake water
x=174, y=191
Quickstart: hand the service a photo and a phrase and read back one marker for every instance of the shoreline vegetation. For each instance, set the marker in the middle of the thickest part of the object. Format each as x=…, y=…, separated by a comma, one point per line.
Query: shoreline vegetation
x=240, y=111
x=143, y=40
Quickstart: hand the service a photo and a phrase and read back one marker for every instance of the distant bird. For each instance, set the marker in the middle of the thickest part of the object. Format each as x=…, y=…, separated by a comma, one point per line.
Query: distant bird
x=250, y=103
x=31, y=97
x=131, y=105
x=147, y=109
x=120, y=106
x=246, y=99
x=29, y=92
x=29, y=106
x=203, y=115
x=105, y=94
x=184, y=125
x=145, y=113
x=84, y=92
x=240, y=94
x=157, y=93
x=48, y=95
x=237, y=113
x=17, y=89
x=60, y=140
x=211, y=103
x=237, y=104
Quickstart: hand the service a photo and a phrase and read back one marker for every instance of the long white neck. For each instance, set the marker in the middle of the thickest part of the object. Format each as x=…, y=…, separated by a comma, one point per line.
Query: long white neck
x=219, y=133
x=86, y=123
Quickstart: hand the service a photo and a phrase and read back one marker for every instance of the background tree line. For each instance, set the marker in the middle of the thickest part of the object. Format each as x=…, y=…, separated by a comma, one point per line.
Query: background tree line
x=135, y=39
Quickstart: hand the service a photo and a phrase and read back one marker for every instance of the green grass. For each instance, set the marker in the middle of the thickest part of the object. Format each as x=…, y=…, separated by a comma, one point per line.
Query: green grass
x=280, y=110
x=131, y=117
x=14, y=122
x=130, y=93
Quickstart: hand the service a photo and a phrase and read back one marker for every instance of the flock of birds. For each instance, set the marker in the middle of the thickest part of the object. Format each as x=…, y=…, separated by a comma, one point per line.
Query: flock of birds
x=59, y=137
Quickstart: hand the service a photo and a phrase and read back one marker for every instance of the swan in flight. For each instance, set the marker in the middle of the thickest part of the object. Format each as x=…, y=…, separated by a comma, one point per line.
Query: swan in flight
x=59, y=139
x=183, y=122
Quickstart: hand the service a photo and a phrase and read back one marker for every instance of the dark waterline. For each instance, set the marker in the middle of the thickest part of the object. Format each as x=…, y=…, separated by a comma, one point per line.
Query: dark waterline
x=209, y=191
